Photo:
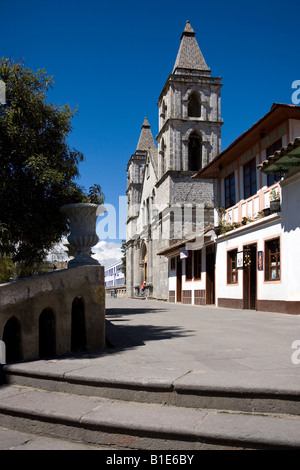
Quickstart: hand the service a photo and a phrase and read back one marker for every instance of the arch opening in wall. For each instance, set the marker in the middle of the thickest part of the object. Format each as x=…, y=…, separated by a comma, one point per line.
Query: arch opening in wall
x=78, y=330
x=47, y=339
x=194, y=104
x=12, y=340
x=195, y=151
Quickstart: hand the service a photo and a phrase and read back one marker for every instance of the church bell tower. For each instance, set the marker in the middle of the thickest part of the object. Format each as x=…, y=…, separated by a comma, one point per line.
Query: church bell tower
x=189, y=112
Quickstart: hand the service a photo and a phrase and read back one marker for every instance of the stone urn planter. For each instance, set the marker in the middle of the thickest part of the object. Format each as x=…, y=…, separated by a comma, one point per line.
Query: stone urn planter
x=83, y=237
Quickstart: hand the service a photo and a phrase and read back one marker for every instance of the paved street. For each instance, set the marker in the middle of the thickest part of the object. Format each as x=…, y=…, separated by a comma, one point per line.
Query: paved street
x=154, y=344
x=216, y=345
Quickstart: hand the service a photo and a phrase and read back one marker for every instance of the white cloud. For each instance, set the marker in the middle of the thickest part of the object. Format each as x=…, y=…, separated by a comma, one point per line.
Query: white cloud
x=59, y=252
x=107, y=253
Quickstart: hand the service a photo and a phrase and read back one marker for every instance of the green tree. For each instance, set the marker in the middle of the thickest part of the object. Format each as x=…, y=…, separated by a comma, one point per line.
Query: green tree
x=38, y=169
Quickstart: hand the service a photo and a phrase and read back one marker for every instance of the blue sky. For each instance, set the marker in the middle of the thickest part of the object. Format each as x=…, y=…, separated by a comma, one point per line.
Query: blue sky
x=112, y=59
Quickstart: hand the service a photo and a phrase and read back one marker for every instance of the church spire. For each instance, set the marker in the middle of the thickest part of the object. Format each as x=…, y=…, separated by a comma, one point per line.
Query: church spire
x=146, y=140
x=189, y=55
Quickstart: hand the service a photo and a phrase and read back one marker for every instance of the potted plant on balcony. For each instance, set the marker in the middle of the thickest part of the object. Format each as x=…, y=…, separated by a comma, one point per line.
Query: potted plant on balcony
x=274, y=200
x=82, y=217
x=218, y=228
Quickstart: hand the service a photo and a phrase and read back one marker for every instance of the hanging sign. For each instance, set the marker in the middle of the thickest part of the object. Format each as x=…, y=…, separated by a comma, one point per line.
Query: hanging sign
x=240, y=259
x=260, y=261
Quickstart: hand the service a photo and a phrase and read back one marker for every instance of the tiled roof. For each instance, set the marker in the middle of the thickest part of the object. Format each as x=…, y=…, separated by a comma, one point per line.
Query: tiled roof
x=189, y=55
x=282, y=159
x=278, y=113
x=146, y=140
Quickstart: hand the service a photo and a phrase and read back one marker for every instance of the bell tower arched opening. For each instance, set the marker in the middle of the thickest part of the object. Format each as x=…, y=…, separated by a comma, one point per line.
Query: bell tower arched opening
x=194, y=104
x=195, y=151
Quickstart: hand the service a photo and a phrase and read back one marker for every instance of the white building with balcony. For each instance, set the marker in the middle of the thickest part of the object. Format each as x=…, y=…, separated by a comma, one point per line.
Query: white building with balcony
x=250, y=260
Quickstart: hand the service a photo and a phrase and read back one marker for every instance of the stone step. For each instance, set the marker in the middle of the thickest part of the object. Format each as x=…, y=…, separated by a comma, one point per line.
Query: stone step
x=231, y=392
x=11, y=439
x=133, y=425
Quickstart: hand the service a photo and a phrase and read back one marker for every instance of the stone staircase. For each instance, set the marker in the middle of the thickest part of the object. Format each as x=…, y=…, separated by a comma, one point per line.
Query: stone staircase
x=145, y=416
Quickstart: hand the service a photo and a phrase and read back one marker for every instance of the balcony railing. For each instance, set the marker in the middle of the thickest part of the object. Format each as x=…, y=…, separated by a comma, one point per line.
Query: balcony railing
x=251, y=207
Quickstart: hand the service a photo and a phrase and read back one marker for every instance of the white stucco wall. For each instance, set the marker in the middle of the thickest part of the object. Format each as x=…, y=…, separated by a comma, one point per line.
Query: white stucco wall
x=288, y=229
x=291, y=229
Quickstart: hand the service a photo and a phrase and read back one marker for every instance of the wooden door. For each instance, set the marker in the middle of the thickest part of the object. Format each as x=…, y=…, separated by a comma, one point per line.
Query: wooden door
x=250, y=277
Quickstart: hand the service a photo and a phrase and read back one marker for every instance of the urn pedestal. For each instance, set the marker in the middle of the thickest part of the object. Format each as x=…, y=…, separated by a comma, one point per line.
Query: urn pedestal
x=83, y=237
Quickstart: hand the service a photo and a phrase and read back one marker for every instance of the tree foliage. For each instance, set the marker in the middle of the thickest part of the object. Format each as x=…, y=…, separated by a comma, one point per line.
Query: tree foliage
x=38, y=169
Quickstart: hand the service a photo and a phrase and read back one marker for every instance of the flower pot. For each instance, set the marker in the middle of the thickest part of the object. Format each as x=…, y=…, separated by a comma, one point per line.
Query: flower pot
x=218, y=230
x=266, y=211
x=275, y=206
x=83, y=237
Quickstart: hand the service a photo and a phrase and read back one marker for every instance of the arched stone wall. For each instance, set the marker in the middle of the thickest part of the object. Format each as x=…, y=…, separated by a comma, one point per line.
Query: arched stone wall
x=45, y=303
x=12, y=339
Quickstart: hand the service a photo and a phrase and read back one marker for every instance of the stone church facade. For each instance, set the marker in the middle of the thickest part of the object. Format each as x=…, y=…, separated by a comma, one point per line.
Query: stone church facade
x=165, y=205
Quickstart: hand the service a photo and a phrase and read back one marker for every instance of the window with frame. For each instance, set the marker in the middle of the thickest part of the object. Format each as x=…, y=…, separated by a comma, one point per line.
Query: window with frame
x=173, y=264
x=189, y=268
x=197, y=264
x=272, y=260
x=250, y=187
x=232, y=271
x=230, y=191
x=273, y=178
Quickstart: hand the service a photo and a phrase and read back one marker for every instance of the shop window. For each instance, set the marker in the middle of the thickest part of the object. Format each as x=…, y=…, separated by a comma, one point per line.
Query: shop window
x=197, y=264
x=232, y=271
x=272, y=260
